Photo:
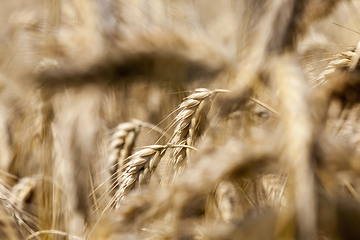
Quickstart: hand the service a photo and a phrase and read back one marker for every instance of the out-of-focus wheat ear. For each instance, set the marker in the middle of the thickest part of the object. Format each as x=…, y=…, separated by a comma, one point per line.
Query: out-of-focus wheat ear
x=226, y=198
x=7, y=227
x=190, y=124
x=274, y=190
x=14, y=201
x=18, y=196
x=22, y=191
x=137, y=172
x=345, y=60
x=335, y=82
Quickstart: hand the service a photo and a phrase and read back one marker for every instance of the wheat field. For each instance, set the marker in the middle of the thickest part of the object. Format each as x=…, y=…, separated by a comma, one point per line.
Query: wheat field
x=169, y=119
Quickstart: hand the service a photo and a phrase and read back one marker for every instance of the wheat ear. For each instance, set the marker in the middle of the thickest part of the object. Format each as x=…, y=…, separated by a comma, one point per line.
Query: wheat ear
x=345, y=60
x=137, y=171
x=190, y=123
x=121, y=144
x=22, y=191
x=14, y=201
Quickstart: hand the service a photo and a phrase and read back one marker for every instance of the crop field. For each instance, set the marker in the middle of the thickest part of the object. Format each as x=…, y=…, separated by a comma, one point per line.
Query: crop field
x=179, y=119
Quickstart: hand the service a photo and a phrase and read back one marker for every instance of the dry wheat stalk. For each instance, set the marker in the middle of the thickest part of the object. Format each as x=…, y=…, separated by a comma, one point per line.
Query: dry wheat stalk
x=298, y=134
x=190, y=124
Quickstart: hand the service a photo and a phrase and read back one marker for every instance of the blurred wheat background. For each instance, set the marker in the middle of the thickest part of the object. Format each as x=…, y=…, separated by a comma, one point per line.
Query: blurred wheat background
x=169, y=119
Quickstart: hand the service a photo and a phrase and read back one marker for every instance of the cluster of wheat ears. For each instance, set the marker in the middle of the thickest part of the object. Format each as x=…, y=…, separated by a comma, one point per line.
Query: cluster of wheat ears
x=179, y=119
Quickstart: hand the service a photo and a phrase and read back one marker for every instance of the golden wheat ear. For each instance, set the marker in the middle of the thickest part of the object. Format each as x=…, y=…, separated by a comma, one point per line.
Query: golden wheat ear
x=121, y=144
x=190, y=124
x=138, y=170
x=343, y=62
x=339, y=83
